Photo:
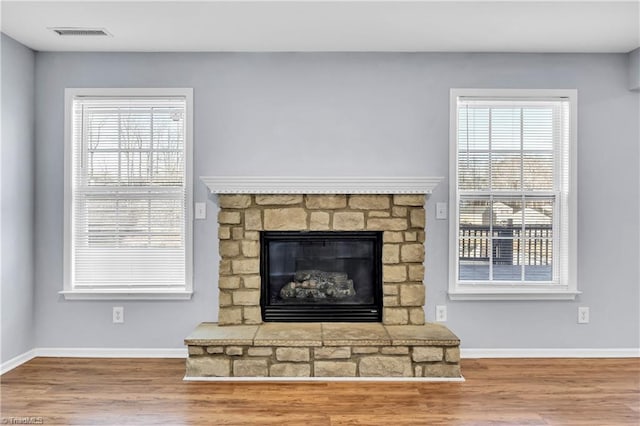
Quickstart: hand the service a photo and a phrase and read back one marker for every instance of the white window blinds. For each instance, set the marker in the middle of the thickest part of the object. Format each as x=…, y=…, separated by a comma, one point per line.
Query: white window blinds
x=512, y=164
x=509, y=145
x=129, y=216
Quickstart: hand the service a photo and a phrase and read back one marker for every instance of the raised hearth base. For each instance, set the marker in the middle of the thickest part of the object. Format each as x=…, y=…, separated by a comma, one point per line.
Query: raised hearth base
x=323, y=350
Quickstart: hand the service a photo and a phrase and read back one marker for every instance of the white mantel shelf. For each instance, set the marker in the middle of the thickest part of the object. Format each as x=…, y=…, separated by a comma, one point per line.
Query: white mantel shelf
x=320, y=185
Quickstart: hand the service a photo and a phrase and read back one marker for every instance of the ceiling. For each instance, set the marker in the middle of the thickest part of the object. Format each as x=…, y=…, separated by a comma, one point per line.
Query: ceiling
x=312, y=26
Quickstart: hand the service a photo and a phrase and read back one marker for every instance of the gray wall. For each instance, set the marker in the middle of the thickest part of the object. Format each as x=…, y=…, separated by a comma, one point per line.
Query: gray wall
x=355, y=114
x=17, y=153
x=634, y=69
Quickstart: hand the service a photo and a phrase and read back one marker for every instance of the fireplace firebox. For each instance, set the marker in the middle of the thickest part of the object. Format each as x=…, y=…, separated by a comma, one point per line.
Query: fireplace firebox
x=321, y=276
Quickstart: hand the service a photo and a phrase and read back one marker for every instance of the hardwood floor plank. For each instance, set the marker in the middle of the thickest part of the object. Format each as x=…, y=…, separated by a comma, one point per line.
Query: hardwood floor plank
x=88, y=391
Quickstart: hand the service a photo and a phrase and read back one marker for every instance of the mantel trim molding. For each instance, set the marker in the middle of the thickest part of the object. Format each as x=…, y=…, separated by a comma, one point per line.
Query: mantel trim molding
x=320, y=185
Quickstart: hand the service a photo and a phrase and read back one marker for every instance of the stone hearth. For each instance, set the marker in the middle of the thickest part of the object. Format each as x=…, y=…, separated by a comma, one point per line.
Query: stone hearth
x=322, y=350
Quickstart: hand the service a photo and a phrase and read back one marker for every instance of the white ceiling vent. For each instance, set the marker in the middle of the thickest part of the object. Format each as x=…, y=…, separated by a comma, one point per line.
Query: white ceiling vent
x=82, y=32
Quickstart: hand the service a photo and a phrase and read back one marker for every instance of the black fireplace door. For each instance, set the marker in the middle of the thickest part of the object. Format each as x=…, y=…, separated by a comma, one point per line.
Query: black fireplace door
x=321, y=276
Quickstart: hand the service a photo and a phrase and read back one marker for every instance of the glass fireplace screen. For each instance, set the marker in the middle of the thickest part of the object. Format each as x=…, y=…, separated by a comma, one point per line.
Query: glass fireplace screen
x=321, y=276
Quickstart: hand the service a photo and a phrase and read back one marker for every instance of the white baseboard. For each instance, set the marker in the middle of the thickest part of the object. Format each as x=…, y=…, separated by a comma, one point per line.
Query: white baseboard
x=551, y=353
x=112, y=352
x=17, y=361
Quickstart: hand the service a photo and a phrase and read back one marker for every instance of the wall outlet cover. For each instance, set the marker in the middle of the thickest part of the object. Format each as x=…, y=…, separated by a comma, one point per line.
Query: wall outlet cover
x=441, y=313
x=118, y=314
x=583, y=315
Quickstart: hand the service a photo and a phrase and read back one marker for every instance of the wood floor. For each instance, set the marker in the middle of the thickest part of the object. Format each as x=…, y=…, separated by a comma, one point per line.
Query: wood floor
x=497, y=392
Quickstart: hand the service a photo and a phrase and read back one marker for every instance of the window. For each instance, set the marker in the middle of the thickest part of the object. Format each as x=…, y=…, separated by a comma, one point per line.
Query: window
x=128, y=194
x=513, y=188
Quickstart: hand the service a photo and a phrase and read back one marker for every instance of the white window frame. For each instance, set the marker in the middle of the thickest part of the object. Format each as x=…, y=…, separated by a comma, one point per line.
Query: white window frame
x=71, y=293
x=565, y=286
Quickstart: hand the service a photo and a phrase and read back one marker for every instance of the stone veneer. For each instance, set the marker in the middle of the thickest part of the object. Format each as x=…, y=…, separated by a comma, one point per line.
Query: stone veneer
x=242, y=217
x=322, y=350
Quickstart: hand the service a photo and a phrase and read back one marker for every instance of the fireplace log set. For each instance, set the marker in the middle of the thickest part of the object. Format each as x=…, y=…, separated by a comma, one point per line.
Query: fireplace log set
x=315, y=284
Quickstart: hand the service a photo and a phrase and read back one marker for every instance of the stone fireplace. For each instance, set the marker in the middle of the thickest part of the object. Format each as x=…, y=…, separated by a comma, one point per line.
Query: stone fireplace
x=321, y=278
x=400, y=219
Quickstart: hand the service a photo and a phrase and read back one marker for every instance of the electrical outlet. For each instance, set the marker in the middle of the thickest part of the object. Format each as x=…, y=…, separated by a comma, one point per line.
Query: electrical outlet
x=441, y=313
x=583, y=315
x=118, y=314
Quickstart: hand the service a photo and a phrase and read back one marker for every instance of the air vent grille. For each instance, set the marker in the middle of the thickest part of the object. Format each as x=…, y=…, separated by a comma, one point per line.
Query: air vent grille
x=81, y=32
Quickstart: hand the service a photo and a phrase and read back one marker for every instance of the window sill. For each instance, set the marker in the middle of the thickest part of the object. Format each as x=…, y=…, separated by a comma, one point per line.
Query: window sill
x=509, y=294
x=125, y=295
